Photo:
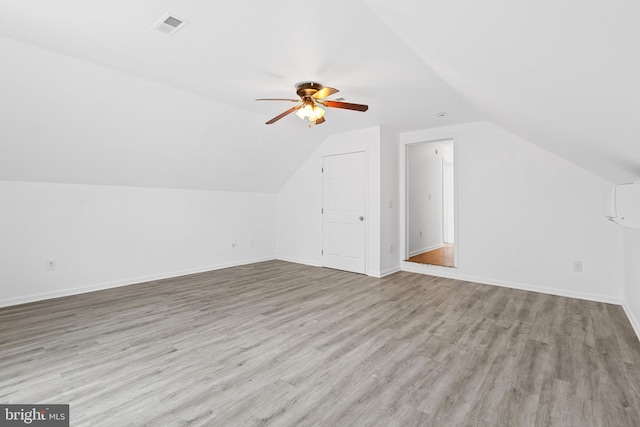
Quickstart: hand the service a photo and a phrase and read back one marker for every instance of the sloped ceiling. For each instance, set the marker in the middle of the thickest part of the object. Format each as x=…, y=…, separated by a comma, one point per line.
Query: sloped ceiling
x=565, y=75
x=92, y=95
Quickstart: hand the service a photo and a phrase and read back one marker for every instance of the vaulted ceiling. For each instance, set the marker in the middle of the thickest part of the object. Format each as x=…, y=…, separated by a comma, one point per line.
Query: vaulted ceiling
x=91, y=94
x=562, y=74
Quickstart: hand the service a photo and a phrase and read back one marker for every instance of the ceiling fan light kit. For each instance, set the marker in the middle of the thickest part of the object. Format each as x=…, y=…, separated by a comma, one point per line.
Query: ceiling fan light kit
x=310, y=111
x=311, y=94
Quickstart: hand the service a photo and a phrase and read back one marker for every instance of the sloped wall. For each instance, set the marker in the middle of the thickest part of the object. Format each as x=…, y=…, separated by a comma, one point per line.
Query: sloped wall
x=70, y=121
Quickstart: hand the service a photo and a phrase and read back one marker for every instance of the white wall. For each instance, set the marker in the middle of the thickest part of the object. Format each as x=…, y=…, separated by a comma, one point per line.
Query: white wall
x=424, y=197
x=298, y=217
x=524, y=215
x=105, y=236
x=389, y=197
x=299, y=201
x=632, y=276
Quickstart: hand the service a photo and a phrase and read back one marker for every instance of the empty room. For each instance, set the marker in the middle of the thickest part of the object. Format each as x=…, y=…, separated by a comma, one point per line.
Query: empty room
x=354, y=213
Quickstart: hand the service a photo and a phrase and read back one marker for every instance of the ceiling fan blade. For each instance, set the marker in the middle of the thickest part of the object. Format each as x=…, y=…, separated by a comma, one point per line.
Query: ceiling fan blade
x=320, y=121
x=286, y=113
x=345, y=105
x=324, y=92
x=277, y=99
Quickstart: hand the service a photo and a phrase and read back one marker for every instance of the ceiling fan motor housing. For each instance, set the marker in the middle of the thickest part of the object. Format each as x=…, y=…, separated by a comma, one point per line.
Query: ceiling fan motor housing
x=307, y=89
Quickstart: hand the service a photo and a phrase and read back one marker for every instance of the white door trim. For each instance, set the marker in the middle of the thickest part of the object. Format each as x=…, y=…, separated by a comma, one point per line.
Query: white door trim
x=404, y=185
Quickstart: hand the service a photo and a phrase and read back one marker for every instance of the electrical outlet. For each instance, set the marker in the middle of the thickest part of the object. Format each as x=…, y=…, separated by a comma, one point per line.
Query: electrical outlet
x=577, y=266
x=233, y=244
x=50, y=264
x=421, y=234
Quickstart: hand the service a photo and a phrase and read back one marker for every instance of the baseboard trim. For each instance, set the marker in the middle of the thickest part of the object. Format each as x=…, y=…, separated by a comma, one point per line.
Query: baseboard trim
x=125, y=282
x=450, y=273
x=298, y=261
x=387, y=272
x=635, y=324
x=427, y=249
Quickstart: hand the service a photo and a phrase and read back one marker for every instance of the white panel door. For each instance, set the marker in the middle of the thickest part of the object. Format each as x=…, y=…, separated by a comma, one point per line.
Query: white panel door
x=343, y=219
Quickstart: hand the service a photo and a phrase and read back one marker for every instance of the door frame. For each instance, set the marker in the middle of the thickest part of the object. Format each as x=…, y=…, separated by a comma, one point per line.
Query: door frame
x=411, y=139
x=367, y=213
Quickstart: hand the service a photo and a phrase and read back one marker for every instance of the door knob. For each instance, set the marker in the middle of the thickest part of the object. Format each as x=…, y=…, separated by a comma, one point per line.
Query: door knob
x=361, y=218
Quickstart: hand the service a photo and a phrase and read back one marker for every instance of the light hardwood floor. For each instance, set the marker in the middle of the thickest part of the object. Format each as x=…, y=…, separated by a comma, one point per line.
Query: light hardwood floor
x=290, y=345
x=443, y=256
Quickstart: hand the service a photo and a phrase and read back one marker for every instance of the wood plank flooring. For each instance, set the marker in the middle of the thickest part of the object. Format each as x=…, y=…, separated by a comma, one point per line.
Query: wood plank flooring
x=441, y=256
x=289, y=345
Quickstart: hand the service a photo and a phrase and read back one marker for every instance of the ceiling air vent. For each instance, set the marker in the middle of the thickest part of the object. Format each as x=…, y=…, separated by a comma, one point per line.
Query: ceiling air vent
x=169, y=24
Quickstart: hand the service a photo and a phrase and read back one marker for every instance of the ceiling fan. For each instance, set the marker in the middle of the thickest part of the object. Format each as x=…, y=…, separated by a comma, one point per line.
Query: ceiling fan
x=311, y=94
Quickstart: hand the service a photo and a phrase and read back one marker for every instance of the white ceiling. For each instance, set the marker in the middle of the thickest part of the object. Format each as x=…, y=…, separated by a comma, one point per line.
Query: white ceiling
x=179, y=111
x=564, y=75
x=93, y=95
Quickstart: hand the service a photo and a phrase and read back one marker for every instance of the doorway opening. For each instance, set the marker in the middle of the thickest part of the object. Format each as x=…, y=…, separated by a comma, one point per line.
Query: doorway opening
x=430, y=199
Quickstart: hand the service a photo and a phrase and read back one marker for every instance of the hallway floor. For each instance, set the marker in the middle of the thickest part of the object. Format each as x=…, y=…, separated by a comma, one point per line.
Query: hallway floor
x=441, y=256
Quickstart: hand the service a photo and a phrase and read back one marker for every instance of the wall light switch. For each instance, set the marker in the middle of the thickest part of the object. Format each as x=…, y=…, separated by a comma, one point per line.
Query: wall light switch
x=50, y=264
